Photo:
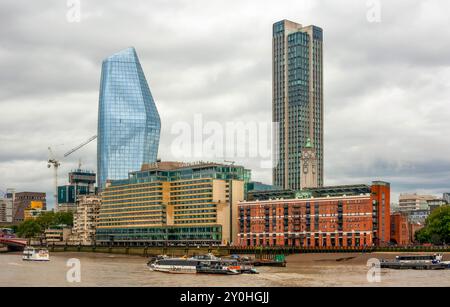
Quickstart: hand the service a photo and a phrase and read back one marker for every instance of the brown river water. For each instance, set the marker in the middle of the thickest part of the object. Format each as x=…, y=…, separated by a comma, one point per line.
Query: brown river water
x=301, y=271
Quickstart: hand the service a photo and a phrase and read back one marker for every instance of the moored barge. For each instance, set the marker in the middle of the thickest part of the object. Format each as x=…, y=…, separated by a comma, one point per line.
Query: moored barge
x=416, y=262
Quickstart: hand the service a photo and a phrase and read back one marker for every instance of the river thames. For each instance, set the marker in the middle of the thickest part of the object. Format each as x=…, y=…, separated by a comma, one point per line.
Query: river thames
x=301, y=271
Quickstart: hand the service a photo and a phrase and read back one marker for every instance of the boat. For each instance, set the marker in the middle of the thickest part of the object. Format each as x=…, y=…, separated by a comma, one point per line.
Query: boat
x=263, y=260
x=217, y=268
x=32, y=254
x=416, y=262
x=210, y=264
x=202, y=264
x=173, y=265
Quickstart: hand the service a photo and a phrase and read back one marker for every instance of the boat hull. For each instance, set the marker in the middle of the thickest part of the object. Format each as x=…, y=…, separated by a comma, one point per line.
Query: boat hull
x=31, y=259
x=414, y=266
x=174, y=270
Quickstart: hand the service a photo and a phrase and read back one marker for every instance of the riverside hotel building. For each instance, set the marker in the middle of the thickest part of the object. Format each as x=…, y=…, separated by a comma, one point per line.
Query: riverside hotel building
x=173, y=203
x=340, y=216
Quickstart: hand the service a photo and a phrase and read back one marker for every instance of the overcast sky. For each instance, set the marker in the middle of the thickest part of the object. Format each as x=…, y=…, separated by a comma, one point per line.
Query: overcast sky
x=386, y=83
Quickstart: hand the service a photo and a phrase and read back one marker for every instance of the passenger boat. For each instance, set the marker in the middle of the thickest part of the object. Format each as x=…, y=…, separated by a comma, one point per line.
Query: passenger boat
x=203, y=264
x=32, y=254
x=416, y=262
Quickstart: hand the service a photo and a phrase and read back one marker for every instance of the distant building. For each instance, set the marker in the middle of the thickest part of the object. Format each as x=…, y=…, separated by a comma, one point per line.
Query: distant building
x=259, y=186
x=22, y=201
x=81, y=182
x=341, y=216
x=446, y=197
x=418, y=216
x=35, y=209
x=6, y=210
x=409, y=202
x=173, y=203
x=128, y=121
x=434, y=204
x=297, y=102
x=57, y=235
x=85, y=219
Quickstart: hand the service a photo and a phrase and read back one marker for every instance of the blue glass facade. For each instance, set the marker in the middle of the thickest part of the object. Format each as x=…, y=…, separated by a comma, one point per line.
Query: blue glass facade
x=128, y=121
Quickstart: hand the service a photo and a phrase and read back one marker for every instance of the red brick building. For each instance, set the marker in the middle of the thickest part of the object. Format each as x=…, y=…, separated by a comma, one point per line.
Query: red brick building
x=337, y=216
x=400, y=229
x=381, y=198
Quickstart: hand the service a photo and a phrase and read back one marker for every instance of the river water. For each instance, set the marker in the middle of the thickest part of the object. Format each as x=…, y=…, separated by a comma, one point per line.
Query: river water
x=120, y=270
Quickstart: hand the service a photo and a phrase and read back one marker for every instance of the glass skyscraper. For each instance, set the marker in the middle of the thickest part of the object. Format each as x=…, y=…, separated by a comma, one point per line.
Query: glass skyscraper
x=128, y=121
x=297, y=99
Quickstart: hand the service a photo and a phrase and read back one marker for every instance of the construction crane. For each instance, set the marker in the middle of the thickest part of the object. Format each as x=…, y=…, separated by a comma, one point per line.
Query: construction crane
x=79, y=146
x=52, y=161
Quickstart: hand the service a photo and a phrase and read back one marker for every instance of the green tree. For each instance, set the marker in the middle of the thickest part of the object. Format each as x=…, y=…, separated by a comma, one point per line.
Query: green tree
x=64, y=218
x=34, y=228
x=14, y=228
x=50, y=219
x=46, y=219
x=437, y=227
x=422, y=236
x=29, y=229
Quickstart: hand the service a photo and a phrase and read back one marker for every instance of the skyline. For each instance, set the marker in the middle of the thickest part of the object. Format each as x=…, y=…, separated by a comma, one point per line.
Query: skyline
x=220, y=79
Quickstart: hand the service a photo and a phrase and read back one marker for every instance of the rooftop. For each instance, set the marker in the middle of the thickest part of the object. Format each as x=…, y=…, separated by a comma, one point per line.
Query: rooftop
x=174, y=165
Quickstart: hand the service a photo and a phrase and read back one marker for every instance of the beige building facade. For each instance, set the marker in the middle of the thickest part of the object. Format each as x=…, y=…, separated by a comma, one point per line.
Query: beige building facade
x=85, y=219
x=173, y=203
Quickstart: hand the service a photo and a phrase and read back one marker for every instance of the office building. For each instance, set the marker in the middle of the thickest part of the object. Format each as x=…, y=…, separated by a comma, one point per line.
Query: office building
x=23, y=200
x=81, y=182
x=297, y=104
x=340, y=216
x=414, y=201
x=173, y=203
x=128, y=121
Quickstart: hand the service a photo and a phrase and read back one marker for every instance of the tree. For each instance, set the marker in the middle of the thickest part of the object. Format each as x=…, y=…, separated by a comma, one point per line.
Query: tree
x=46, y=219
x=422, y=236
x=33, y=228
x=50, y=219
x=437, y=227
x=29, y=229
x=64, y=218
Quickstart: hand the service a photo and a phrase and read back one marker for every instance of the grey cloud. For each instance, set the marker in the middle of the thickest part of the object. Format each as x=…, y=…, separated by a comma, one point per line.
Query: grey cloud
x=386, y=84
